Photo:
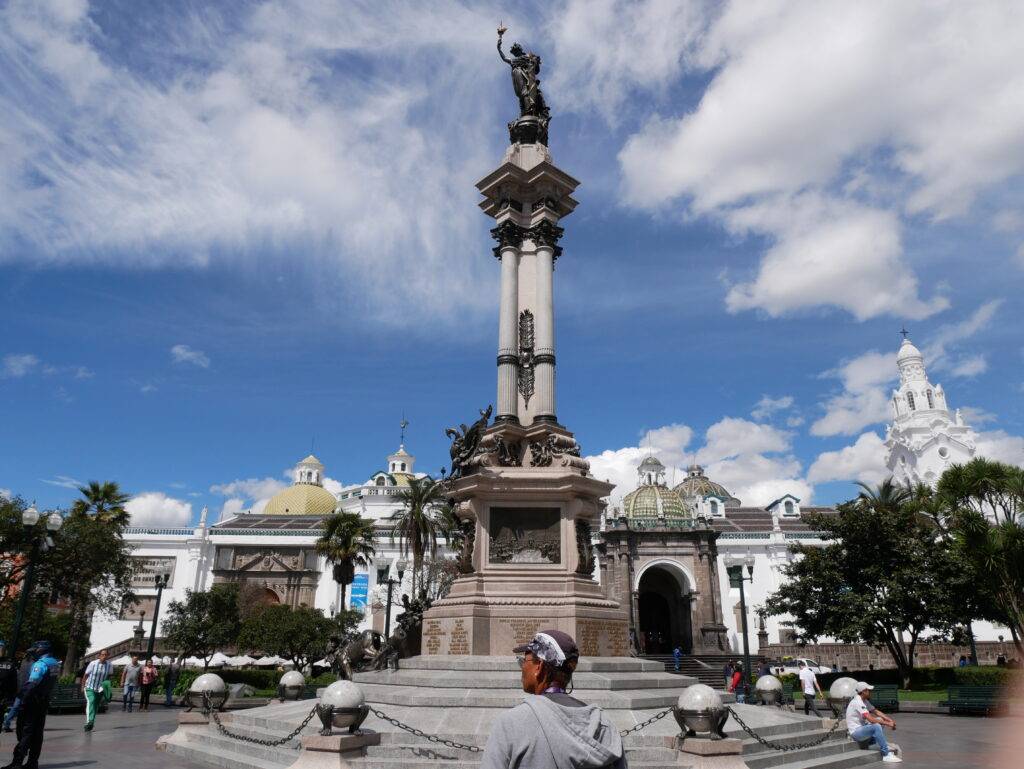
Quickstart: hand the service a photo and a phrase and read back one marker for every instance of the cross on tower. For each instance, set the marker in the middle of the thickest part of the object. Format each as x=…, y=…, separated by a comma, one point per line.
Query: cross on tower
x=403, y=424
x=904, y=332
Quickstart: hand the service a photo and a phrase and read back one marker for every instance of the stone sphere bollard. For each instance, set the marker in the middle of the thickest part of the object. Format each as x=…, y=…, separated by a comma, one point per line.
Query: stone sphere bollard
x=291, y=685
x=342, y=705
x=213, y=687
x=770, y=690
x=840, y=693
x=700, y=712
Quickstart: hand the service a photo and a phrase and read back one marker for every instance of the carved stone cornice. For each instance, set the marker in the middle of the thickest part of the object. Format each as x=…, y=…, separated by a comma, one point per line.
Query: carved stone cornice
x=547, y=233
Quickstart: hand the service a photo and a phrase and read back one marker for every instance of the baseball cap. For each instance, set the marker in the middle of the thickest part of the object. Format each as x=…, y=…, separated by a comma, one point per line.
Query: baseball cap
x=862, y=686
x=552, y=646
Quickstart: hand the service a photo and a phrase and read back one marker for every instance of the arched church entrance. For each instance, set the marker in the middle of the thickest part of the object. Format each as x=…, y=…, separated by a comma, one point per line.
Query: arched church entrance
x=664, y=611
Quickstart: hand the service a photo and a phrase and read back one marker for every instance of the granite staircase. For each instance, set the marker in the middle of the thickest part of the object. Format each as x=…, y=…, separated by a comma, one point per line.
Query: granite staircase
x=458, y=699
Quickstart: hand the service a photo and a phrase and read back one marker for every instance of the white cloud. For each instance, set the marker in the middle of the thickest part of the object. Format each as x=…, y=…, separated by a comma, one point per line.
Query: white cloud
x=81, y=372
x=767, y=406
x=863, y=461
x=249, y=488
x=182, y=353
x=6, y=494
x=826, y=126
x=64, y=482
x=255, y=143
x=975, y=416
x=970, y=367
x=753, y=461
x=154, y=508
x=1002, y=447
x=332, y=485
x=604, y=49
x=863, y=400
x=231, y=508
x=18, y=365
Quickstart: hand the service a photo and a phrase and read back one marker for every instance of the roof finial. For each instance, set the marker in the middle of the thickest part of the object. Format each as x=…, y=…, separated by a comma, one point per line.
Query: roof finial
x=403, y=424
x=904, y=332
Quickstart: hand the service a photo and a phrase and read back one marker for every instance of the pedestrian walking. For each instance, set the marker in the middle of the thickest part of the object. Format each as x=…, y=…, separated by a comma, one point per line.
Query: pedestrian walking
x=764, y=669
x=23, y=673
x=96, y=672
x=35, y=701
x=865, y=723
x=736, y=683
x=551, y=729
x=148, y=678
x=8, y=680
x=171, y=676
x=809, y=682
x=677, y=655
x=727, y=671
x=130, y=682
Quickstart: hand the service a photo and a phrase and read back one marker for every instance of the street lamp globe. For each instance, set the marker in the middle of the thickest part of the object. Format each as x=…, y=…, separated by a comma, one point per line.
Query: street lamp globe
x=54, y=522
x=30, y=516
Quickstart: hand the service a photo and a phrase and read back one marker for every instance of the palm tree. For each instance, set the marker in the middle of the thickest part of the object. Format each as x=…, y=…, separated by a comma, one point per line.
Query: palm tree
x=104, y=500
x=889, y=495
x=422, y=522
x=346, y=542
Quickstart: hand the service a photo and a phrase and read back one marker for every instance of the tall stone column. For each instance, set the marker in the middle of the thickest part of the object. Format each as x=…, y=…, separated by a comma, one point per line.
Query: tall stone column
x=545, y=235
x=509, y=237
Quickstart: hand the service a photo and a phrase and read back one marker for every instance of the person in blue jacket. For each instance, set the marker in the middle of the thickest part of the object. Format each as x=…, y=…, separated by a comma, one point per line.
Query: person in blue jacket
x=35, y=700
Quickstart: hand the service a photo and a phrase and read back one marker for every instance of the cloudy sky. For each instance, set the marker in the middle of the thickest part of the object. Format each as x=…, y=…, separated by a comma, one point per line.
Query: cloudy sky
x=232, y=231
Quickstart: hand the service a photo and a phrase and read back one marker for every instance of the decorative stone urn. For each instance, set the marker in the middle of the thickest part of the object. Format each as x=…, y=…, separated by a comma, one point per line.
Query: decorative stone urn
x=700, y=712
x=291, y=685
x=342, y=705
x=208, y=691
x=770, y=690
x=840, y=693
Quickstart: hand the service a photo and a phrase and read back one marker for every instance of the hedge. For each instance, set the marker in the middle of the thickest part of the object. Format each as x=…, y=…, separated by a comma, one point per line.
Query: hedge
x=257, y=679
x=927, y=677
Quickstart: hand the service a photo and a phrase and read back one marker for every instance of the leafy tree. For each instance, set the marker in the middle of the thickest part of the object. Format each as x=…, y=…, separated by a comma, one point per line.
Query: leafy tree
x=300, y=634
x=104, y=501
x=885, y=577
x=980, y=505
x=347, y=541
x=14, y=540
x=422, y=522
x=204, y=622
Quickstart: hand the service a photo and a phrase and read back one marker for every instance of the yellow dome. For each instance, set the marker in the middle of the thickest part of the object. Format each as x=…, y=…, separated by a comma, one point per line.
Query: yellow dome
x=301, y=499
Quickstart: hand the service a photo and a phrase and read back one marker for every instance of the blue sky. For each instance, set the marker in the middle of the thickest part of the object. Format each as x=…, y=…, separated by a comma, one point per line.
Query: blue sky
x=233, y=232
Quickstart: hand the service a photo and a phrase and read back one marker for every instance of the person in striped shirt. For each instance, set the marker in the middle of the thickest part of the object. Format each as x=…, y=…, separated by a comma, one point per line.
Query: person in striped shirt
x=92, y=686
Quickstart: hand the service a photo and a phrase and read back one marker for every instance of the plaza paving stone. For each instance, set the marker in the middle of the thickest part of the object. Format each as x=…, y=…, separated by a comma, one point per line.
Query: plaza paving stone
x=119, y=741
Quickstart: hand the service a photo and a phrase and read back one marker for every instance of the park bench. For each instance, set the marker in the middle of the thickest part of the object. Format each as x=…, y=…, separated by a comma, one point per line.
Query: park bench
x=787, y=693
x=69, y=698
x=886, y=697
x=972, y=699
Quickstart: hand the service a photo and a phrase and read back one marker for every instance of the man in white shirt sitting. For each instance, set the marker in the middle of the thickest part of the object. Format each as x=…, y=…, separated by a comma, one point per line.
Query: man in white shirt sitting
x=865, y=724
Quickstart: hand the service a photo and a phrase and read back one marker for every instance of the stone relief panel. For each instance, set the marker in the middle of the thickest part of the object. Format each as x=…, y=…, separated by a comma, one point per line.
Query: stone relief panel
x=525, y=535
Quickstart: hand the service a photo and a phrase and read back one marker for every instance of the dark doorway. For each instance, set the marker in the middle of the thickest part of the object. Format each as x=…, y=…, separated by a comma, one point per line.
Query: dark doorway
x=664, y=613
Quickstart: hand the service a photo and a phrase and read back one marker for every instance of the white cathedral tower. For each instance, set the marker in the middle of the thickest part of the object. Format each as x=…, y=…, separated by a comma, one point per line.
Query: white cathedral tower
x=924, y=437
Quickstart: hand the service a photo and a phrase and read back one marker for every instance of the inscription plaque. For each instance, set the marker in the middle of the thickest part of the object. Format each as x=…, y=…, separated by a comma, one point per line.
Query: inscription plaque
x=525, y=535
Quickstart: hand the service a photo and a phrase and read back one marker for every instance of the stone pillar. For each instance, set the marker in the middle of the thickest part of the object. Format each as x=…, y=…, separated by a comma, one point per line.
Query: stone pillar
x=508, y=355
x=545, y=234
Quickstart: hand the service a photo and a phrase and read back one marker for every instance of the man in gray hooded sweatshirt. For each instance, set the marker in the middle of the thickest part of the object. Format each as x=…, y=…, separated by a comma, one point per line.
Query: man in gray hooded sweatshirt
x=552, y=730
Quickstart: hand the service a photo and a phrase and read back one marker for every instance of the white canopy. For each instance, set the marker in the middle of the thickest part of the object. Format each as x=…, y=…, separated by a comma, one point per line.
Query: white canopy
x=218, y=660
x=194, y=662
x=240, y=661
x=270, y=660
x=124, y=659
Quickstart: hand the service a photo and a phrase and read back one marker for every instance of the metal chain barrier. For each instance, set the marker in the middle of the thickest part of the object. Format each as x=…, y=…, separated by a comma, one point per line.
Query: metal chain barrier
x=424, y=735
x=776, y=746
x=255, y=740
x=648, y=722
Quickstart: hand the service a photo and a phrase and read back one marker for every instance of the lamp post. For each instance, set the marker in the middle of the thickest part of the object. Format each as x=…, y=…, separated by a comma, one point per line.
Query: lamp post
x=734, y=568
x=391, y=582
x=40, y=543
x=161, y=581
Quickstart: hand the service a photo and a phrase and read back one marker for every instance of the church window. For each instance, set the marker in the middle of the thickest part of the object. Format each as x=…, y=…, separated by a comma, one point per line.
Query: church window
x=789, y=507
x=910, y=400
x=931, y=403
x=380, y=480
x=714, y=507
x=403, y=467
x=943, y=452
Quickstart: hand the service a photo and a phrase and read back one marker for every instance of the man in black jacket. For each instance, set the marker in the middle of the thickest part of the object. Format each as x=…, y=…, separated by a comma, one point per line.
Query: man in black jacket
x=35, y=701
x=8, y=680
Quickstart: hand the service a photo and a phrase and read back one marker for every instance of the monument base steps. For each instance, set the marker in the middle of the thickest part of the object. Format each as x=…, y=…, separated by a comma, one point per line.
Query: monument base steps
x=458, y=698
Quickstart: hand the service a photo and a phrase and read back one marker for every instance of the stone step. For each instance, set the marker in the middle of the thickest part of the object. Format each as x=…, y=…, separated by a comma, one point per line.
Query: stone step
x=510, y=681
x=213, y=755
x=841, y=761
x=774, y=758
x=416, y=696
x=789, y=737
x=282, y=756
x=509, y=663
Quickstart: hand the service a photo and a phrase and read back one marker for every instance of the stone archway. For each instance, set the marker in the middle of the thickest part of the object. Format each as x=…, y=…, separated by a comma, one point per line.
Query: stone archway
x=664, y=621
x=269, y=597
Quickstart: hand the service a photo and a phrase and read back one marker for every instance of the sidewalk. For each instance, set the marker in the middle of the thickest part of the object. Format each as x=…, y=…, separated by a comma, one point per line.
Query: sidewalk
x=119, y=741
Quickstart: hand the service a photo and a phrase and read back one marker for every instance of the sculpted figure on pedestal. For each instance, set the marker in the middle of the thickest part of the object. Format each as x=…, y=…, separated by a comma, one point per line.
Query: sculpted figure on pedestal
x=465, y=442
x=532, y=126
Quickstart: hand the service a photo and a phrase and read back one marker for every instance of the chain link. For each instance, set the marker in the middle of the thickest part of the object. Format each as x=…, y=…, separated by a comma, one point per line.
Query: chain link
x=776, y=746
x=423, y=734
x=648, y=722
x=256, y=740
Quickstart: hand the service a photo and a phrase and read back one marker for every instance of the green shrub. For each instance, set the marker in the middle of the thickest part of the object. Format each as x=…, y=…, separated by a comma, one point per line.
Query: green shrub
x=261, y=680
x=926, y=677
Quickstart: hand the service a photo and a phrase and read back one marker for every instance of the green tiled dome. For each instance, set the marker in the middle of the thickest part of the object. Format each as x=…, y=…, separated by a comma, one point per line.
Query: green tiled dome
x=698, y=486
x=653, y=501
